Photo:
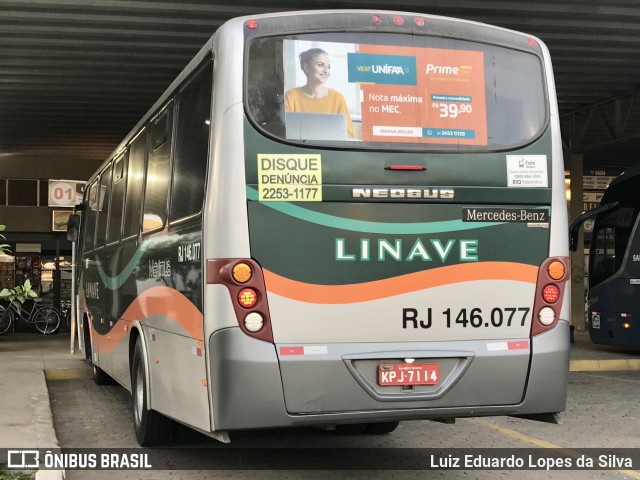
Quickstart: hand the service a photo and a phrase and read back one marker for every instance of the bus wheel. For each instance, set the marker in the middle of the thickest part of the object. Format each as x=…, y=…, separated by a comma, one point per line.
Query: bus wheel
x=151, y=427
x=381, y=428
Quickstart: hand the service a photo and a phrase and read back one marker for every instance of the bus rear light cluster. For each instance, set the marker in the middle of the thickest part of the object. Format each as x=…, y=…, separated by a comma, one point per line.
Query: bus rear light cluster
x=550, y=287
x=245, y=282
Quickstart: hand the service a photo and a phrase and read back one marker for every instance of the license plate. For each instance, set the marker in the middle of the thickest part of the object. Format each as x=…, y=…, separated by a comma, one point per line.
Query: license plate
x=408, y=374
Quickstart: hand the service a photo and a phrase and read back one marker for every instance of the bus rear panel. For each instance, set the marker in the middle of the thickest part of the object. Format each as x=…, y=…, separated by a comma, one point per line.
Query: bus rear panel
x=408, y=265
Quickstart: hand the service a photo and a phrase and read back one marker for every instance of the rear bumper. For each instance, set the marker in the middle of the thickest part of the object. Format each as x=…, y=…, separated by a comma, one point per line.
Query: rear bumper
x=252, y=388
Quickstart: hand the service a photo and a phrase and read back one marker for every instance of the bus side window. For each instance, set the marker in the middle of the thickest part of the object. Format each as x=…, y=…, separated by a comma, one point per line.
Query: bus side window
x=117, y=199
x=604, y=256
x=158, y=171
x=191, y=145
x=135, y=184
x=104, y=196
x=91, y=215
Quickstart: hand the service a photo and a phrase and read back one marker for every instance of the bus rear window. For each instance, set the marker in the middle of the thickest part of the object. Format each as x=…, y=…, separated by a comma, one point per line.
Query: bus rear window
x=394, y=91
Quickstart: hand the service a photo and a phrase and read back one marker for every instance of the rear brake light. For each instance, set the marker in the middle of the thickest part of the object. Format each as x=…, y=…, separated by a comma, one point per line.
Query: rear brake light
x=247, y=297
x=415, y=168
x=251, y=24
x=551, y=293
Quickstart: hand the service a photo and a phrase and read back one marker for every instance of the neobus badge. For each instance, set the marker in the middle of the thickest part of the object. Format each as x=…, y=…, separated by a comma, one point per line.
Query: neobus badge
x=415, y=193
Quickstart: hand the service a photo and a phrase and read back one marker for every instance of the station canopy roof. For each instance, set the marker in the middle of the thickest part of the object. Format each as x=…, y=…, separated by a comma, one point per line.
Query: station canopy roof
x=77, y=75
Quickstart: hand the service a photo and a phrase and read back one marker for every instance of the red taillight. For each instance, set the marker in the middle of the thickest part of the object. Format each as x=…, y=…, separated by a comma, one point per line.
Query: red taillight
x=551, y=293
x=419, y=21
x=377, y=19
x=398, y=20
x=247, y=297
x=251, y=24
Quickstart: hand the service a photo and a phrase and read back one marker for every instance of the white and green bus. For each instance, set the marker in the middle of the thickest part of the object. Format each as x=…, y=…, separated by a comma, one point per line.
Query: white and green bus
x=339, y=218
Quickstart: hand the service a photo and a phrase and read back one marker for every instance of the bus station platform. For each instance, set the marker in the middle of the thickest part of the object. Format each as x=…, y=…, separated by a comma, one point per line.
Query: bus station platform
x=28, y=360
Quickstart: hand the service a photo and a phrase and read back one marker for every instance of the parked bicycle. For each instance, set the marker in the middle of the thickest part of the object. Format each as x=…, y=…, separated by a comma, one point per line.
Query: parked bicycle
x=43, y=316
x=65, y=312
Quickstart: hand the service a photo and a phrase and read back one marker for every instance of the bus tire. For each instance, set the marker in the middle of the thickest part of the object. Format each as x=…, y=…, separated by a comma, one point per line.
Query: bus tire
x=151, y=427
x=380, y=428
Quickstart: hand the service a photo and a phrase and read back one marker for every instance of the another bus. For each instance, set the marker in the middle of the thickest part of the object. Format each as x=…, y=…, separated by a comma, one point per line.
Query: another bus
x=247, y=264
x=613, y=309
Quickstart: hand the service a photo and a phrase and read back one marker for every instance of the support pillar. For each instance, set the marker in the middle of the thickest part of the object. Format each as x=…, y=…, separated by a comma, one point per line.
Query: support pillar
x=576, y=207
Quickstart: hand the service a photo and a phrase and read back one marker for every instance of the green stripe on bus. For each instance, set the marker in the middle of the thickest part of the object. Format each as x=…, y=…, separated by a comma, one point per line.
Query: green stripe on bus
x=113, y=283
x=385, y=228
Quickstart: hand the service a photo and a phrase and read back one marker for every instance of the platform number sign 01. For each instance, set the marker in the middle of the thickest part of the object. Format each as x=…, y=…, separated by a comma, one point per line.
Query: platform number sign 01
x=65, y=193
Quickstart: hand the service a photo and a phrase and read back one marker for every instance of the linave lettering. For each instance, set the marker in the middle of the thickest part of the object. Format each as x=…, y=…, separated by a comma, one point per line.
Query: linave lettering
x=425, y=250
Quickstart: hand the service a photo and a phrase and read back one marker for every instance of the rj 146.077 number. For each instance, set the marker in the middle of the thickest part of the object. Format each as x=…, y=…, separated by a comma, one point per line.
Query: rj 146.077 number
x=468, y=317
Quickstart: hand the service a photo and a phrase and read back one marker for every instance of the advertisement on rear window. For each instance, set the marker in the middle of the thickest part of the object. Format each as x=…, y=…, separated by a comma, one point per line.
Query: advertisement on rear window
x=378, y=93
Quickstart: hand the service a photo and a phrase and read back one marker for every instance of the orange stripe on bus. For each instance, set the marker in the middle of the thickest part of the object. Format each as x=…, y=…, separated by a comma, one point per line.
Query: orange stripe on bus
x=163, y=301
x=389, y=287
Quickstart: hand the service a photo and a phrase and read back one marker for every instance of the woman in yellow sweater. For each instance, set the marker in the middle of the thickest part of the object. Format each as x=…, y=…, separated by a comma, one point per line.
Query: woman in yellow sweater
x=315, y=96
